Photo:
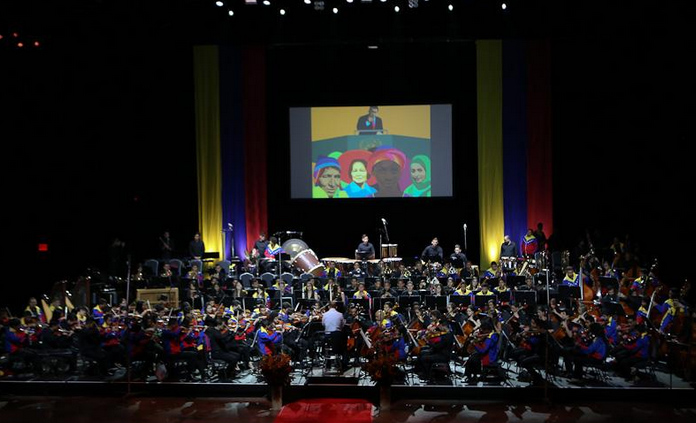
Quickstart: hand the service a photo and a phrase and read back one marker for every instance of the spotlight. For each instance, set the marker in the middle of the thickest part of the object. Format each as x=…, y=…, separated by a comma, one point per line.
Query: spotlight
x=230, y=12
x=307, y=1
x=396, y=9
x=503, y=6
x=219, y=3
x=450, y=7
x=335, y=10
x=349, y=1
x=282, y=12
x=20, y=44
x=36, y=44
x=266, y=3
x=382, y=1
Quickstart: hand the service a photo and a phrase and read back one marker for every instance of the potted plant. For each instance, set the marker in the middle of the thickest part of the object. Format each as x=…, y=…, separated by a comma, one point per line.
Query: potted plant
x=276, y=370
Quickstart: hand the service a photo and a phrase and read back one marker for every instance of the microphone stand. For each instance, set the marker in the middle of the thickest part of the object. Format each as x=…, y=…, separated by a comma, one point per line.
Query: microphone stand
x=465, y=243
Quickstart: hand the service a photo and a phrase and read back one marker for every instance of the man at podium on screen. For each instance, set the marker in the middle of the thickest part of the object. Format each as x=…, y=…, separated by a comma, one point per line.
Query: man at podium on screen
x=370, y=123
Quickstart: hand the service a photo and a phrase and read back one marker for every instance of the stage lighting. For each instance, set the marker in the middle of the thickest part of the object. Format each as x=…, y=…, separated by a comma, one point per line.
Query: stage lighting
x=230, y=12
x=319, y=5
x=282, y=12
x=335, y=10
x=266, y=3
x=36, y=44
x=412, y=4
x=307, y=1
x=20, y=44
x=219, y=3
x=349, y=1
x=450, y=7
x=396, y=9
x=503, y=6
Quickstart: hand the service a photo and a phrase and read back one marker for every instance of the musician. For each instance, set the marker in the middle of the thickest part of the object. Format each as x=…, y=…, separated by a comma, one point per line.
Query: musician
x=409, y=291
x=469, y=271
x=261, y=294
x=387, y=291
x=669, y=309
x=309, y=292
x=458, y=258
x=357, y=271
x=541, y=237
x=485, y=342
x=17, y=342
x=99, y=310
x=219, y=274
x=531, y=348
x=450, y=287
x=216, y=294
x=436, y=289
x=273, y=249
x=529, y=244
x=219, y=340
x=365, y=250
x=196, y=247
x=508, y=248
x=432, y=253
x=259, y=246
x=592, y=354
x=332, y=272
x=333, y=322
x=484, y=290
x=269, y=340
x=636, y=350
x=461, y=289
x=361, y=292
x=528, y=285
x=238, y=290
x=35, y=310
x=166, y=246
x=492, y=272
x=439, y=340
x=571, y=279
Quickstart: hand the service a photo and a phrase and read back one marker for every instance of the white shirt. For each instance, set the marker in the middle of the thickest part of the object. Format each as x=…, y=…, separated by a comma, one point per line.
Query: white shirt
x=333, y=321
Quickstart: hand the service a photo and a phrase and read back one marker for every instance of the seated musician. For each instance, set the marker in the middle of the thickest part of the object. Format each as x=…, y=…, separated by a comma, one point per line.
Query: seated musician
x=35, y=310
x=361, y=292
x=219, y=343
x=309, y=292
x=16, y=343
x=531, y=348
x=391, y=342
x=492, y=272
x=636, y=350
x=528, y=285
x=282, y=288
x=331, y=272
x=469, y=270
x=219, y=274
x=365, y=250
x=485, y=341
x=461, y=289
x=484, y=290
x=642, y=313
x=571, y=279
x=387, y=291
x=669, y=309
x=501, y=288
x=238, y=290
x=439, y=340
x=592, y=351
x=436, y=289
x=389, y=312
x=409, y=291
x=261, y=294
x=99, y=310
x=269, y=340
x=357, y=271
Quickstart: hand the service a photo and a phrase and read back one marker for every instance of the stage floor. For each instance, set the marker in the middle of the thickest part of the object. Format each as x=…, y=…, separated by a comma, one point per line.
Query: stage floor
x=188, y=410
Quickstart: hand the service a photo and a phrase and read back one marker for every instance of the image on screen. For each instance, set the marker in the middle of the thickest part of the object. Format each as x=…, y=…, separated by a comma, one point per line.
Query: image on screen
x=371, y=151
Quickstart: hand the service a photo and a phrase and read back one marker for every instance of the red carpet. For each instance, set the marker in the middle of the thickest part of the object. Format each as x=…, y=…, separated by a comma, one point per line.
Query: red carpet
x=326, y=410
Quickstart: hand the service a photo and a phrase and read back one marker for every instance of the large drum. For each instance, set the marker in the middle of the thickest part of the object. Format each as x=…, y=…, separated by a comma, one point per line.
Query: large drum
x=389, y=250
x=307, y=262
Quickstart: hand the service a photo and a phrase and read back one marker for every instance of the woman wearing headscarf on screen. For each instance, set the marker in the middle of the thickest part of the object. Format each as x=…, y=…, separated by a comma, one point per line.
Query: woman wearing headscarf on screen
x=386, y=165
x=355, y=174
x=420, y=177
x=327, y=179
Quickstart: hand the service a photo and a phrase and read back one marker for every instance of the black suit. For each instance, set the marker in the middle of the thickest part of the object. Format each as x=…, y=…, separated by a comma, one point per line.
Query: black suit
x=365, y=125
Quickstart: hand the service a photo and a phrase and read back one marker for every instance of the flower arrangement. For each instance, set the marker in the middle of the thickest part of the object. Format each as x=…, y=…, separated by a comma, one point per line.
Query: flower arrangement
x=276, y=369
x=382, y=369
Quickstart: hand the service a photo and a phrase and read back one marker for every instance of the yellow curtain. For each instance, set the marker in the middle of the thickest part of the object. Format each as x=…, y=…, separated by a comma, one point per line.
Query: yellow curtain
x=207, y=103
x=489, y=82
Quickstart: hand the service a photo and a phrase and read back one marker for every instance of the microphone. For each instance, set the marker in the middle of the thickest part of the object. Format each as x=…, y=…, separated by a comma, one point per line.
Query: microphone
x=229, y=225
x=465, y=226
x=384, y=221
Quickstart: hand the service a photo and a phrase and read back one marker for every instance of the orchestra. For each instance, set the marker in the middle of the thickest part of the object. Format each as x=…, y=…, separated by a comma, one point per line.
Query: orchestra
x=423, y=314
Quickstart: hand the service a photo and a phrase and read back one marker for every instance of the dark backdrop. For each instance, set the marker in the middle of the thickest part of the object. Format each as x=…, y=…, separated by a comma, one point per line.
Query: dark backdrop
x=98, y=129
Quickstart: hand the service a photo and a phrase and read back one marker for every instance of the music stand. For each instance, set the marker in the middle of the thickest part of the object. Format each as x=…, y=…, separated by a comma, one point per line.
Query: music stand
x=567, y=291
x=438, y=302
x=408, y=300
x=362, y=302
x=460, y=300
x=526, y=297
x=515, y=281
x=613, y=309
x=504, y=297
x=378, y=302
x=607, y=282
x=306, y=303
x=482, y=300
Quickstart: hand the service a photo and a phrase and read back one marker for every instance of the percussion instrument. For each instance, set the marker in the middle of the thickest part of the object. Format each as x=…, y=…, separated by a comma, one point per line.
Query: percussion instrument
x=337, y=260
x=391, y=259
x=508, y=263
x=308, y=262
x=389, y=250
x=373, y=261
